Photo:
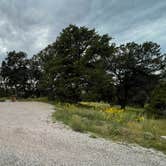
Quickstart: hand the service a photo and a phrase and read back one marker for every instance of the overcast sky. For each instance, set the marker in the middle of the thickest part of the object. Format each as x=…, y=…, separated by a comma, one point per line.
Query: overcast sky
x=30, y=25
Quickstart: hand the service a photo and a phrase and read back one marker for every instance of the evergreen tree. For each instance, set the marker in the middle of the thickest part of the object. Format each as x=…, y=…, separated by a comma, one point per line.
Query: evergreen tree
x=137, y=69
x=15, y=72
x=158, y=100
x=76, y=64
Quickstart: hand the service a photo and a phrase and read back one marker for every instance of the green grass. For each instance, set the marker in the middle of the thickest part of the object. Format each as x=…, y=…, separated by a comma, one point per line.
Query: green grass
x=41, y=99
x=3, y=99
x=127, y=126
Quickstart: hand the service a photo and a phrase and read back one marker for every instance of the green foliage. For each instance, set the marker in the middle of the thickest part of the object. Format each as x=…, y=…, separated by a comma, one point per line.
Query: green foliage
x=99, y=119
x=77, y=65
x=76, y=123
x=41, y=99
x=2, y=100
x=15, y=72
x=2, y=92
x=82, y=65
x=19, y=75
x=158, y=100
x=136, y=70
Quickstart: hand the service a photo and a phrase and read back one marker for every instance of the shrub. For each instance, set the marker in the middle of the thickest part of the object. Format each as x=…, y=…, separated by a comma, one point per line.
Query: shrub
x=158, y=100
x=76, y=123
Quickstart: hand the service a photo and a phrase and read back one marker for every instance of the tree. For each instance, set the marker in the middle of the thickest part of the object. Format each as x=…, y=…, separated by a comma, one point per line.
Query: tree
x=136, y=69
x=2, y=86
x=158, y=100
x=35, y=76
x=163, y=73
x=15, y=72
x=76, y=64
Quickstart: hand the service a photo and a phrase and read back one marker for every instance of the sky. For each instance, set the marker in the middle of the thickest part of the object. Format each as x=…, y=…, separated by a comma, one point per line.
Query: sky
x=30, y=25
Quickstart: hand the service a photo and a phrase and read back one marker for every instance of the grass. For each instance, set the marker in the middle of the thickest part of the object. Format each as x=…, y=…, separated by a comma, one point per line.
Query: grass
x=3, y=99
x=98, y=119
x=41, y=99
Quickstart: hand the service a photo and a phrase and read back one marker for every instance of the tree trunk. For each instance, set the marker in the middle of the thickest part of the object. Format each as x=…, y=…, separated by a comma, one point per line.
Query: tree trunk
x=123, y=103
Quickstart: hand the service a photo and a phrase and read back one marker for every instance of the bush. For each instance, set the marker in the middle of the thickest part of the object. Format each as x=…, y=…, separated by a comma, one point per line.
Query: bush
x=76, y=123
x=158, y=100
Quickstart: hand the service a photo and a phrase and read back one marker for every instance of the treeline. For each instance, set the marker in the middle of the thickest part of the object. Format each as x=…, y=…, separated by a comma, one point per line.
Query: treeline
x=83, y=65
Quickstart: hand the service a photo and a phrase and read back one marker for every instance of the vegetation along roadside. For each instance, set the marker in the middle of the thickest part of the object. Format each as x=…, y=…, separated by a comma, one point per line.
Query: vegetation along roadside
x=101, y=120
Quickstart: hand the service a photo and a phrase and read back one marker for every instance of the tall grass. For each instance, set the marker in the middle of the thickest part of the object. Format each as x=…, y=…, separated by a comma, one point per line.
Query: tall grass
x=41, y=99
x=100, y=119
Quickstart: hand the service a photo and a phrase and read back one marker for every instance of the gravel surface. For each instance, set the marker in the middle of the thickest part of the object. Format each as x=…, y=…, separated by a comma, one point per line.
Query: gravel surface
x=28, y=138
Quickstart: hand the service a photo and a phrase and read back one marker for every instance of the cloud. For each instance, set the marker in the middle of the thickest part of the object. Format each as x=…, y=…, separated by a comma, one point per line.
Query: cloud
x=31, y=25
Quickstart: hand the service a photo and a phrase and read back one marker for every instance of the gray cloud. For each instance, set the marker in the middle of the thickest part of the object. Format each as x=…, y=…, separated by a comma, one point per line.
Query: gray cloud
x=31, y=25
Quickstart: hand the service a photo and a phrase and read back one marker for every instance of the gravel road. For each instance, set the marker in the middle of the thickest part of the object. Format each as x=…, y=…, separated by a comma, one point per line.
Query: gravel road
x=28, y=138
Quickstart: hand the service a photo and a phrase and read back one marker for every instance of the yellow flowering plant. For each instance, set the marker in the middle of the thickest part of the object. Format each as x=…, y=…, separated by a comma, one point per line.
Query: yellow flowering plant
x=115, y=114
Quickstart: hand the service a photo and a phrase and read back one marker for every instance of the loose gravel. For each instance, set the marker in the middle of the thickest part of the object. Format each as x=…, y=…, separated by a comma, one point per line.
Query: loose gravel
x=29, y=138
